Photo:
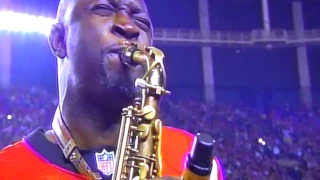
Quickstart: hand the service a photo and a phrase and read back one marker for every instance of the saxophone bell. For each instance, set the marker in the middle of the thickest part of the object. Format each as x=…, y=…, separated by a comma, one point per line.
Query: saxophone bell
x=199, y=161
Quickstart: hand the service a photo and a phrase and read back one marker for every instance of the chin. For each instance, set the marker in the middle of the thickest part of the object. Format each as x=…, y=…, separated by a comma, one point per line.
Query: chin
x=118, y=83
x=119, y=91
x=126, y=93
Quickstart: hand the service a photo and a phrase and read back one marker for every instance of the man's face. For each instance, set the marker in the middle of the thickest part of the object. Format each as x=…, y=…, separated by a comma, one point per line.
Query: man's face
x=93, y=31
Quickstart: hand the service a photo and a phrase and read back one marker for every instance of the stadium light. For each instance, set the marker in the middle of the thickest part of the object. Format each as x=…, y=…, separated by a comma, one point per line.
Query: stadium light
x=19, y=22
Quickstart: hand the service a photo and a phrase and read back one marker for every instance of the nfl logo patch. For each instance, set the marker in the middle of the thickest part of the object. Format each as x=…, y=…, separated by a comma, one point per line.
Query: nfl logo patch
x=105, y=162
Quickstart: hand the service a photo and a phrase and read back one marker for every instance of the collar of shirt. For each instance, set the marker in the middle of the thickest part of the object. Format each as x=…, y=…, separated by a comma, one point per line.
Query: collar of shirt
x=53, y=154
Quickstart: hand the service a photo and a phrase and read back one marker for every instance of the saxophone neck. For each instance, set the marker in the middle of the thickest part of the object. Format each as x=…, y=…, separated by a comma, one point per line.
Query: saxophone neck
x=151, y=58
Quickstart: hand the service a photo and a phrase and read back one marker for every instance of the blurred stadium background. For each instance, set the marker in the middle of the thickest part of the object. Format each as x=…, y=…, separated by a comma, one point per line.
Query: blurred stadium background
x=245, y=71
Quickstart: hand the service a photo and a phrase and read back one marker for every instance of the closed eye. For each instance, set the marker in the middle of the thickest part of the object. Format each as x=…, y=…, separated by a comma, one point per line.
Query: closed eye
x=143, y=23
x=102, y=10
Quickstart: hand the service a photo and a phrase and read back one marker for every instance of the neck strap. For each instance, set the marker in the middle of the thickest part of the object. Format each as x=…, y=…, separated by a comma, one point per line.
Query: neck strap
x=70, y=149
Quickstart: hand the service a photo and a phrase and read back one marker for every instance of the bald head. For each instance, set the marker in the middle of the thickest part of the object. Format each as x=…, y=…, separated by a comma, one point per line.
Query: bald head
x=66, y=7
x=63, y=7
x=61, y=10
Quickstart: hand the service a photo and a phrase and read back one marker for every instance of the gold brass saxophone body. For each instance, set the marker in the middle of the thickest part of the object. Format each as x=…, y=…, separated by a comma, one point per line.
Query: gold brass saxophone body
x=138, y=155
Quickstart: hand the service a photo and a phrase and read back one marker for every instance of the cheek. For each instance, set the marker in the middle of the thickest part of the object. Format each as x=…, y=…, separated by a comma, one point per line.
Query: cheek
x=101, y=28
x=145, y=39
x=139, y=71
x=86, y=56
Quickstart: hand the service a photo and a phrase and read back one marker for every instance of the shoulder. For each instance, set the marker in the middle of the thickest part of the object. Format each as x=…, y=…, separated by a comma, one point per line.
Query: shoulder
x=21, y=159
x=15, y=154
x=177, y=140
x=176, y=144
x=11, y=152
x=18, y=159
x=10, y=158
x=177, y=134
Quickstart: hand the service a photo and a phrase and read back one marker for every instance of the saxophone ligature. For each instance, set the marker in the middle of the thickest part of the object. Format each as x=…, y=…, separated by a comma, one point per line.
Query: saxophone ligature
x=138, y=155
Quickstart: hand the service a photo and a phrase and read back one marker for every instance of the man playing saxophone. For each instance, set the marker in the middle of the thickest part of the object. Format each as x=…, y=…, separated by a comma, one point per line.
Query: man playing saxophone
x=94, y=86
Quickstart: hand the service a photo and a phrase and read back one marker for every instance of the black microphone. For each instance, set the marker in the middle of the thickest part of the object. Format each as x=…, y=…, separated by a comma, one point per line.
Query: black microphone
x=199, y=161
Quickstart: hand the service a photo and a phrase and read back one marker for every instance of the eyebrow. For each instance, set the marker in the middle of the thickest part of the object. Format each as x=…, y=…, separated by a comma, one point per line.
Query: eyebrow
x=133, y=5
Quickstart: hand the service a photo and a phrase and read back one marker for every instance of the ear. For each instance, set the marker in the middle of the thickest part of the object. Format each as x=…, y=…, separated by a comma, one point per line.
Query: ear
x=57, y=41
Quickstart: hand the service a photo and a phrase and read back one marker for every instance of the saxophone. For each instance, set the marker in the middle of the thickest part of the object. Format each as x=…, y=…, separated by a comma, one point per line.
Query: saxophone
x=138, y=155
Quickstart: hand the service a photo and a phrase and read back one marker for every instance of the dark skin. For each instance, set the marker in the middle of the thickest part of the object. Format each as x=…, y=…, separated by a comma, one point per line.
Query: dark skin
x=94, y=85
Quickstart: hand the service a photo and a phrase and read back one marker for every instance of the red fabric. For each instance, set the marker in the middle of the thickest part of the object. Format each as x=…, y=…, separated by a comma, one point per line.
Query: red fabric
x=20, y=161
x=176, y=144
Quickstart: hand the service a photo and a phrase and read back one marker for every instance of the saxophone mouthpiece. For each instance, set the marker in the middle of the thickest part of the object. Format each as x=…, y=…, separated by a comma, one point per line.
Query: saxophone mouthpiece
x=131, y=54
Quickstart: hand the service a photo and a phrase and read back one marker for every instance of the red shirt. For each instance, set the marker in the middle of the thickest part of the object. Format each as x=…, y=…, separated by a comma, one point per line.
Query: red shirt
x=37, y=158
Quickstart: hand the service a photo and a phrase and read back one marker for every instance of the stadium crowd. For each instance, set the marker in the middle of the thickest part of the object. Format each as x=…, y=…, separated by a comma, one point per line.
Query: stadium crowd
x=278, y=144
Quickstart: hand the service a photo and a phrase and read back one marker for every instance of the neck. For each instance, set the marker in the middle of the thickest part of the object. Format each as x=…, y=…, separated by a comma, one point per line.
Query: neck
x=89, y=128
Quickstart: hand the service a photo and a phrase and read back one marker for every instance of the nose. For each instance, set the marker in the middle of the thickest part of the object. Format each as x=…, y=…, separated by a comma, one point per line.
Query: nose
x=124, y=27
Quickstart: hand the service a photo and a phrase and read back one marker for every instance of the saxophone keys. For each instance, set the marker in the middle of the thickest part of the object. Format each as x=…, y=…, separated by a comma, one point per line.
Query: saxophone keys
x=157, y=126
x=155, y=171
x=166, y=92
x=143, y=170
x=144, y=131
x=148, y=112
